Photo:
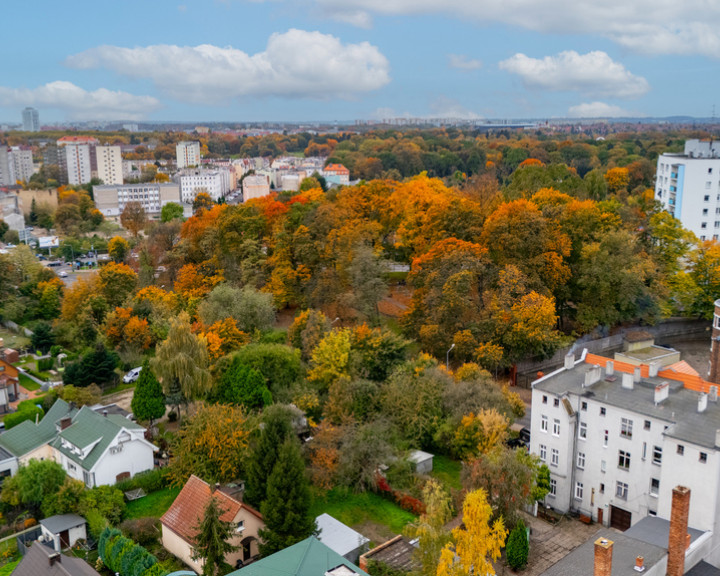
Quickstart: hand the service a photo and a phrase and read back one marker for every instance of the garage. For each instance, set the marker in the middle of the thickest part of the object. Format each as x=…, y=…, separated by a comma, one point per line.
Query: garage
x=620, y=519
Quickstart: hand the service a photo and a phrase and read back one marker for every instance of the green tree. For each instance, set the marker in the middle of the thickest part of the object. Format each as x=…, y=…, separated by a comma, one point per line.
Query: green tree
x=251, y=309
x=518, y=547
x=147, y=401
x=242, y=386
x=171, y=211
x=43, y=337
x=96, y=367
x=3, y=229
x=367, y=277
x=32, y=484
x=118, y=248
x=212, y=540
x=279, y=364
x=277, y=428
x=286, y=508
x=181, y=364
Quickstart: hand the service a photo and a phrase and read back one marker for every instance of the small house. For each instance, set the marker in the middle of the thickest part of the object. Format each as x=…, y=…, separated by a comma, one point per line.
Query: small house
x=341, y=538
x=422, y=462
x=63, y=530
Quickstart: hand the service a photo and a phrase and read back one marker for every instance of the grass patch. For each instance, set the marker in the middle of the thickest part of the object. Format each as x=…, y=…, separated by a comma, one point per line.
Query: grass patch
x=153, y=505
x=8, y=568
x=14, y=341
x=447, y=471
x=396, y=276
x=119, y=388
x=28, y=383
x=353, y=509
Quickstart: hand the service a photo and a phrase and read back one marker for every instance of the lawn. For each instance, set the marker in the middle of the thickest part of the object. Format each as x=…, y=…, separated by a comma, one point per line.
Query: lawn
x=447, y=471
x=354, y=509
x=14, y=341
x=8, y=568
x=153, y=505
x=28, y=383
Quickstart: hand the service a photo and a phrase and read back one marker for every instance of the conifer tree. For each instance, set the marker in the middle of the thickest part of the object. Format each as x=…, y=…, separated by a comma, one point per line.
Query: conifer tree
x=148, y=402
x=212, y=540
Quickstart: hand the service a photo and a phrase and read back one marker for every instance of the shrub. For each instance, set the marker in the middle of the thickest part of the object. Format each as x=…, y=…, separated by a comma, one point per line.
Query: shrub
x=26, y=413
x=172, y=416
x=518, y=547
x=30, y=522
x=144, y=531
x=130, y=559
x=97, y=523
x=150, y=481
x=55, y=350
x=45, y=364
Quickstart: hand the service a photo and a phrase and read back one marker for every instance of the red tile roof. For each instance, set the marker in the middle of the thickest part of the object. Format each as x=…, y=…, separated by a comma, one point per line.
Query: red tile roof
x=337, y=168
x=73, y=139
x=187, y=510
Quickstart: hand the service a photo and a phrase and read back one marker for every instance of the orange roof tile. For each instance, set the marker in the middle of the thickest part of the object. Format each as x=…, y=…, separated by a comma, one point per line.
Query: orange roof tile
x=683, y=367
x=187, y=510
x=339, y=168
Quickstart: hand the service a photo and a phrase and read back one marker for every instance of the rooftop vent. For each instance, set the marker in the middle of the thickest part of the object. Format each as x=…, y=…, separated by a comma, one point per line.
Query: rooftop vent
x=628, y=382
x=662, y=391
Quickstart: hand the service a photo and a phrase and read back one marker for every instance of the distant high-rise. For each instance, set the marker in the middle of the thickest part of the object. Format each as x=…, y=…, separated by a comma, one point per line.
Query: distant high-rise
x=31, y=120
x=188, y=154
x=109, y=164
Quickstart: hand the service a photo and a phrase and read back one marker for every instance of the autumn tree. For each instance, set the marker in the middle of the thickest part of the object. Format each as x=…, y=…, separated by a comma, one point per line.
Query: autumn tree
x=133, y=218
x=202, y=201
x=147, y=401
x=212, y=540
x=430, y=527
x=476, y=544
x=212, y=444
x=307, y=330
x=617, y=179
x=118, y=248
x=116, y=282
x=252, y=310
x=181, y=363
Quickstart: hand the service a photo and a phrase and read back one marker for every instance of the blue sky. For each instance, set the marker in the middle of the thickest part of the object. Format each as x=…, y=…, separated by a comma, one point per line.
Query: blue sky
x=304, y=60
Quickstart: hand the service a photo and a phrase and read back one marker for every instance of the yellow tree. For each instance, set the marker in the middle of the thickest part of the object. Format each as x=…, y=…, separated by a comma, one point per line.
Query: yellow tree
x=430, y=527
x=118, y=248
x=617, y=179
x=478, y=544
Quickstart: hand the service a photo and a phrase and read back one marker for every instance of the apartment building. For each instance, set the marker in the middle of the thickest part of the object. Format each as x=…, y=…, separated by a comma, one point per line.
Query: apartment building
x=214, y=182
x=111, y=200
x=688, y=185
x=188, y=154
x=109, y=164
x=20, y=164
x=30, y=120
x=618, y=437
x=77, y=158
x=255, y=186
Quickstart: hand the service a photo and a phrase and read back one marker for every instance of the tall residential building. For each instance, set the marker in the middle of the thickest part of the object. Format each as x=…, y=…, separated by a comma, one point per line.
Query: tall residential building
x=21, y=164
x=214, y=182
x=109, y=164
x=688, y=185
x=5, y=176
x=111, y=200
x=77, y=158
x=188, y=154
x=31, y=120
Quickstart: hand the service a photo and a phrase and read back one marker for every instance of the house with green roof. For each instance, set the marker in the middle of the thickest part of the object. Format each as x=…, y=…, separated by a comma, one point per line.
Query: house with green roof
x=92, y=447
x=307, y=558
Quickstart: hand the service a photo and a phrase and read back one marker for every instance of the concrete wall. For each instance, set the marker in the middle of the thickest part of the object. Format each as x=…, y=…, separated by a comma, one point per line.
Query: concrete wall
x=47, y=197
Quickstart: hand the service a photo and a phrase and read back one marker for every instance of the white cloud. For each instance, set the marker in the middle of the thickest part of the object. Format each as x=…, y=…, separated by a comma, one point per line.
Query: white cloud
x=648, y=26
x=598, y=110
x=462, y=62
x=81, y=104
x=444, y=107
x=592, y=73
x=296, y=64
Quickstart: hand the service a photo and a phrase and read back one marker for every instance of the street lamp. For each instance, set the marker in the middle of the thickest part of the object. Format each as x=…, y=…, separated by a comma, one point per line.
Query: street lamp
x=447, y=357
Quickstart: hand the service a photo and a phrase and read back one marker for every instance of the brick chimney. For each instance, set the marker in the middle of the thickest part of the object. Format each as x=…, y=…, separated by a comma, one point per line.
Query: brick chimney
x=603, y=557
x=678, y=539
x=65, y=422
x=714, y=372
x=54, y=558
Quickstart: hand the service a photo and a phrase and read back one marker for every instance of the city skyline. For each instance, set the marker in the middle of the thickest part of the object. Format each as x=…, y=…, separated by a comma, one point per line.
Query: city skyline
x=326, y=60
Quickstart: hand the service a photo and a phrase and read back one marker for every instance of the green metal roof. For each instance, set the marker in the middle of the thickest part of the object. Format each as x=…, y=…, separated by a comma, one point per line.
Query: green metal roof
x=27, y=436
x=307, y=558
x=89, y=427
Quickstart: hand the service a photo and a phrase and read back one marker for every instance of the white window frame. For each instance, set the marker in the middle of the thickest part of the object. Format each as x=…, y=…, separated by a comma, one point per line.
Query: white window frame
x=543, y=452
x=582, y=432
x=621, y=490
x=553, y=487
x=654, y=491
x=657, y=455
x=623, y=460
x=555, y=457
x=579, y=489
x=581, y=460
x=626, y=426
x=544, y=423
x=556, y=427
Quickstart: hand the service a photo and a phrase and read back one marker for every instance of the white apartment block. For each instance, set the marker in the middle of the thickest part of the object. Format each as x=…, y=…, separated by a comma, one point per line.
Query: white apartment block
x=75, y=159
x=31, y=120
x=217, y=183
x=255, y=186
x=20, y=164
x=188, y=154
x=5, y=176
x=688, y=185
x=617, y=438
x=111, y=200
x=109, y=164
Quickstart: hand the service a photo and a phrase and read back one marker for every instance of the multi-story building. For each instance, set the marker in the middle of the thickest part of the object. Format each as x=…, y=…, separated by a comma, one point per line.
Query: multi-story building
x=77, y=158
x=31, y=120
x=188, y=154
x=5, y=175
x=336, y=174
x=111, y=200
x=688, y=185
x=21, y=164
x=109, y=164
x=618, y=437
x=255, y=186
x=214, y=182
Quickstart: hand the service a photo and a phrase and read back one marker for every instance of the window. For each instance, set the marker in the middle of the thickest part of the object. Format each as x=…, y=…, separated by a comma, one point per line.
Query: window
x=657, y=455
x=581, y=460
x=703, y=457
x=602, y=488
x=624, y=460
x=583, y=431
x=644, y=450
x=543, y=452
x=705, y=212
x=621, y=490
x=555, y=455
x=680, y=449
x=703, y=225
x=647, y=425
x=707, y=198
x=707, y=185
x=605, y=439
x=583, y=406
x=553, y=487
x=544, y=399
x=654, y=486
x=602, y=411
x=626, y=426
x=556, y=427
x=578, y=490
x=544, y=423
x=556, y=402
x=602, y=466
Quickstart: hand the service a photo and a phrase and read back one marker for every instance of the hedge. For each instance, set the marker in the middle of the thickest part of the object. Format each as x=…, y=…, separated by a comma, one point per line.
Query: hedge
x=123, y=556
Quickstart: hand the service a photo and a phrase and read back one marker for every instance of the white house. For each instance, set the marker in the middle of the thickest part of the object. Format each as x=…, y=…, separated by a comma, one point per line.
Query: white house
x=617, y=438
x=688, y=185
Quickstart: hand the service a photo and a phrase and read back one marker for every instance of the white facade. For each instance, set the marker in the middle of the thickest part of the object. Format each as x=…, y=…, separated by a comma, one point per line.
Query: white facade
x=76, y=160
x=188, y=154
x=5, y=176
x=21, y=164
x=255, y=186
x=688, y=185
x=214, y=182
x=111, y=200
x=31, y=120
x=109, y=164
x=615, y=448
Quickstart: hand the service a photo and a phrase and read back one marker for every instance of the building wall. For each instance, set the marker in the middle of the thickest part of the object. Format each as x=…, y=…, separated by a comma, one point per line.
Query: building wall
x=47, y=197
x=135, y=457
x=44, y=452
x=187, y=154
x=215, y=182
x=178, y=547
x=21, y=165
x=109, y=164
x=111, y=200
x=5, y=166
x=77, y=163
x=255, y=187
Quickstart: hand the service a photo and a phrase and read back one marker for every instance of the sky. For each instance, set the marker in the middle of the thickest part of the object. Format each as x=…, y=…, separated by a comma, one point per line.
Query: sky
x=342, y=60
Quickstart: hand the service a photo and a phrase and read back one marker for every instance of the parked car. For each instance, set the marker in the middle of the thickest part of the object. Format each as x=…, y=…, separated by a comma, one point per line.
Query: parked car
x=133, y=375
x=63, y=274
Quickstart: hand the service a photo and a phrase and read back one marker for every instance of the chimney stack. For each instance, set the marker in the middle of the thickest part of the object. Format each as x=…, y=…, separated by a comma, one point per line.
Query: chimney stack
x=637, y=375
x=105, y=413
x=603, y=557
x=678, y=539
x=702, y=403
x=65, y=422
x=569, y=360
x=654, y=368
x=628, y=381
x=593, y=375
x=609, y=368
x=54, y=558
x=713, y=393
x=662, y=391
x=639, y=564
